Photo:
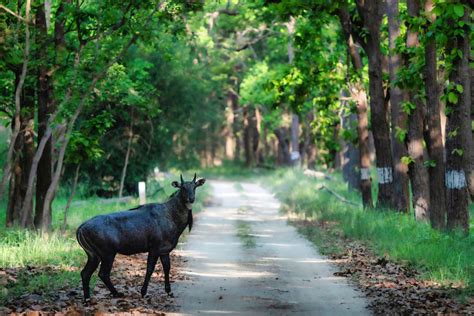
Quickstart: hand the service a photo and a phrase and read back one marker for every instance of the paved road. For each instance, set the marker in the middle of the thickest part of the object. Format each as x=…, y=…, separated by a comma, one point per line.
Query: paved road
x=276, y=272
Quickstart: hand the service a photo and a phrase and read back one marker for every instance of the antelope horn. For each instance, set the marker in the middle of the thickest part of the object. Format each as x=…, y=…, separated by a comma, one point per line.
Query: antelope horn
x=194, y=179
x=181, y=176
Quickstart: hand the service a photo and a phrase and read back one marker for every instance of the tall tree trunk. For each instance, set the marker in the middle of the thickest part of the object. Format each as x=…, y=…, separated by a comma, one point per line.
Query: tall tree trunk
x=127, y=154
x=370, y=11
x=71, y=196
x=311, y=150
x=358, y=94
x=283, y=154
x=399, y=117
x=338, y=158
x=237, y=127
x=435, y=141
x=350, y=153
x=307, y=139
x=228, y=130
x=248, y=151
x=295, y=131
x=26, y=159
x=471, y=175
x=257, y=127
x=417, y=170
x=45, y=109
x=458, y=132
x=23, y=161
x=295, y=122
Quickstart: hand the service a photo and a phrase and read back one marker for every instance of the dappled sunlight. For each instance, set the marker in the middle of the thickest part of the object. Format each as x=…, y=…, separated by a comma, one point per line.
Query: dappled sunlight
x=276, y=259
x=217, y=243
x=231, y=274
x=192, y=254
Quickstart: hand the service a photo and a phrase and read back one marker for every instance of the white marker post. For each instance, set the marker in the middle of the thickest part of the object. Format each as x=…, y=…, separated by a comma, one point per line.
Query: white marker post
x=142, y=192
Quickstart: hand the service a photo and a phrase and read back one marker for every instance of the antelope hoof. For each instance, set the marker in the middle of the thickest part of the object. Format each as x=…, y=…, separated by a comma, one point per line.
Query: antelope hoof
x=143, y=292
x=170, y=294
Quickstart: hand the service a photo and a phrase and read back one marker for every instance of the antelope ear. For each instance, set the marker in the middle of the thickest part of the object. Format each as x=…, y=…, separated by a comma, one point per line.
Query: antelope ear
x=175, y=184
x=200, y=182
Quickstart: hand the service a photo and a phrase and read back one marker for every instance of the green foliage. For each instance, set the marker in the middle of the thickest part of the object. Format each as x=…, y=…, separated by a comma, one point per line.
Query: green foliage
x=401, y=134
x=444, y=258
x=407, y=160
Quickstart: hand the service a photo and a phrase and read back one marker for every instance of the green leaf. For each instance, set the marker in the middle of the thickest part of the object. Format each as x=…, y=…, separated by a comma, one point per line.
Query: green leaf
x=453, y=133
x=458, y=10
x=406, y=160
x=458, y=151
x=400, y=134
x=429, y=163
x=452, y=97
x=459, y=88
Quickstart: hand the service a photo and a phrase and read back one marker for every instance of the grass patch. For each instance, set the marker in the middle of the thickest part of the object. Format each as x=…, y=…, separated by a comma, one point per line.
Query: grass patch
x=327, y=241
x=244, y=232
x=444, y=258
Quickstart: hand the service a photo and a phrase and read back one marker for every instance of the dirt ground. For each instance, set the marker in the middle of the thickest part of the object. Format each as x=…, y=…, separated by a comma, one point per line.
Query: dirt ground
x=127, y=275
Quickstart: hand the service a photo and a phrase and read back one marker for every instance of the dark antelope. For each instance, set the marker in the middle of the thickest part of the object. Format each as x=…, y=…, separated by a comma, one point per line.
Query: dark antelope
x=154, y=228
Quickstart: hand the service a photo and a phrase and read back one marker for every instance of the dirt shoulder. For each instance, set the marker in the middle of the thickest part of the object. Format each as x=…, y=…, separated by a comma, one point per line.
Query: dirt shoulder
x=127, y=275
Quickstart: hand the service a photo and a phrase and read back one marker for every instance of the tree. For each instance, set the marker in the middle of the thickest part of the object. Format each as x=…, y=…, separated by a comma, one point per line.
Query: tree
x=370, y=12
x=358, y=94
x=415, y=109
x=435, y=142
x=458, y=104
x=398, y=116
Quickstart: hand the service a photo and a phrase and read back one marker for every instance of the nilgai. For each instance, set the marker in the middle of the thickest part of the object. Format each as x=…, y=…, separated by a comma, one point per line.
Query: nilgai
x=154, y=228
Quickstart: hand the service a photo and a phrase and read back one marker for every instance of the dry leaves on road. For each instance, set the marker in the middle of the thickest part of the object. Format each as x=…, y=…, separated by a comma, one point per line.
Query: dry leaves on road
x=127, y=275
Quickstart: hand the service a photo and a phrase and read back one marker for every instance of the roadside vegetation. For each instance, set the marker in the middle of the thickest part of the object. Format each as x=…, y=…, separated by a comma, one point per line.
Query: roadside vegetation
x=41, y=263
x=244, y=232
x=444, y=258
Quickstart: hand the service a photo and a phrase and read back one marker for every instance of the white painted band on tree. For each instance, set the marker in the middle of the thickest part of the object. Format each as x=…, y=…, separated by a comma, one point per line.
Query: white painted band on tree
x=455, y=179
x=364, y=173
x=295, y=155
x=384, y=175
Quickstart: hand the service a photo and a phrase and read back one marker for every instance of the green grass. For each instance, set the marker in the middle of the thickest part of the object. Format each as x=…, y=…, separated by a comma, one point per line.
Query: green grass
x=444, y=258
x=56, y=257
x=244, y=232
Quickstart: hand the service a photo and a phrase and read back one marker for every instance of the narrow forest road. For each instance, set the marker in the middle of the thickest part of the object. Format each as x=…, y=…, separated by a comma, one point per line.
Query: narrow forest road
x=244, y=259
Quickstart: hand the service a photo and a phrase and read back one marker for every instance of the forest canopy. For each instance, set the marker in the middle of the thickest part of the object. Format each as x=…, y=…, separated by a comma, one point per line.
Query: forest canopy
x=104, y=92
